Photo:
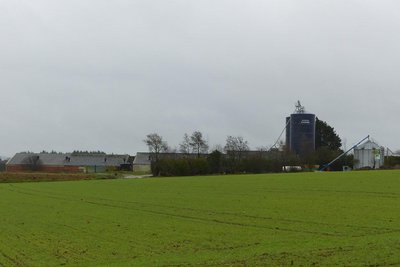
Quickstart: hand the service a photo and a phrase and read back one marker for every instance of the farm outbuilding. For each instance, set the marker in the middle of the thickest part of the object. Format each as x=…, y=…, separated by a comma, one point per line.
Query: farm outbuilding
x=67, y=162
x=369, y=155
x=142, y=162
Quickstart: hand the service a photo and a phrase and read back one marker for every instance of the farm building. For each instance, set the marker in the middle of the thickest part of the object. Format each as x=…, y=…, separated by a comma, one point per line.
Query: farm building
x=368, y=155
x=142, y=162
x=67, y=162
x=300, y=131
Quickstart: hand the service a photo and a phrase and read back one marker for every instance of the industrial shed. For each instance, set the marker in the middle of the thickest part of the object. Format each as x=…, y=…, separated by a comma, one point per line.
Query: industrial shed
x=369, y=155
x=66, y=162
x=142, y=162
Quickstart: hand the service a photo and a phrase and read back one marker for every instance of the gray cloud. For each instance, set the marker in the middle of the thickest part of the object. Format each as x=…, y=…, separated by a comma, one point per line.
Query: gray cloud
x=101, y=75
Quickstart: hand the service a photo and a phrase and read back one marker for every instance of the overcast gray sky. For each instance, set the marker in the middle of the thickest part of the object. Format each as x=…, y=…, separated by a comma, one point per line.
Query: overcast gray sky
x=100, y=74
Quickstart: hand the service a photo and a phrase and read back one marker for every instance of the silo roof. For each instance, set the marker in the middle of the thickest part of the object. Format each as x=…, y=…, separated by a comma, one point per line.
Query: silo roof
x=368, y=145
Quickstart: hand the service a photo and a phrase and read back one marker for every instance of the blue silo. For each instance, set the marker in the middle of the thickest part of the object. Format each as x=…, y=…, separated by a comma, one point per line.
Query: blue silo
x=300, y=132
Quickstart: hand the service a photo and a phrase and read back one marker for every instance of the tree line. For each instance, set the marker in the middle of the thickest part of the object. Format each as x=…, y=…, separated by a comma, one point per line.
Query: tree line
x=193, y=157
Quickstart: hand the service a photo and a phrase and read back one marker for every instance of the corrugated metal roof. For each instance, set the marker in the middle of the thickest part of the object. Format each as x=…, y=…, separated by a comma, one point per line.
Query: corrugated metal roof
x=45, y=159
x=98, y=160
x=67, y=159
x=368, y=145
x=142, y=158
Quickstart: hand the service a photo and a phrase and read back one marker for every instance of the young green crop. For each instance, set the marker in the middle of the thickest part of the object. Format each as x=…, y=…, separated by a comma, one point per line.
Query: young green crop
x=301, y=219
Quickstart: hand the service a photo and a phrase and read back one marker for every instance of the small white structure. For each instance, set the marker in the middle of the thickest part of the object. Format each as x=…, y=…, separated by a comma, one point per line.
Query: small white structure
x=369, y=155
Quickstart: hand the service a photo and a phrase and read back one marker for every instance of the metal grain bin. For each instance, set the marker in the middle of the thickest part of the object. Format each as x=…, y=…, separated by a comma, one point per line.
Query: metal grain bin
x=300, y=133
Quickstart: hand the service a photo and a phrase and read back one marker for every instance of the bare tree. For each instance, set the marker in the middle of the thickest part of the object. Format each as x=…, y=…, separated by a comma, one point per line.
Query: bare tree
x=235, y=146
x=3, y=162
x=198, y=144
x=184, y=147
x=262, y=148
x=156, y=145
x=217, y=147
x=32, y=163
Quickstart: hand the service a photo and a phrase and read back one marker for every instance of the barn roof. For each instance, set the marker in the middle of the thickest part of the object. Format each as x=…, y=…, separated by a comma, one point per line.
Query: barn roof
x=45, y=158
x=142, y=158
x=68, y=159
x=368, y=145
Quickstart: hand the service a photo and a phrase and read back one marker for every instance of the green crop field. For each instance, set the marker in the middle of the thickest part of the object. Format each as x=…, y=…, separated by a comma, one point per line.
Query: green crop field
x=303, y=219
